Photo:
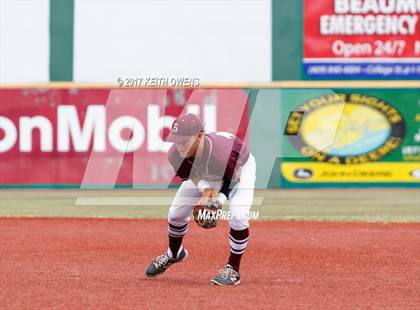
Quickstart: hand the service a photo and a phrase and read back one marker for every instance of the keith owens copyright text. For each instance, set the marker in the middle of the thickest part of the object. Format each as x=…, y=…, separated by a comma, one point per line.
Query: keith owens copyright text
x=158, y=82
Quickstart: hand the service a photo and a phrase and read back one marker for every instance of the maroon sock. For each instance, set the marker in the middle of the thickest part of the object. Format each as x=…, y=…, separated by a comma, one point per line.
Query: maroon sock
x=174, y=245
x=238, y=240
x=176, y=234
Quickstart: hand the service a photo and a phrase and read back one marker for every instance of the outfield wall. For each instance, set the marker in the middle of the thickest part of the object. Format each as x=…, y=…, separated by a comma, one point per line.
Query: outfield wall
x=302, y=134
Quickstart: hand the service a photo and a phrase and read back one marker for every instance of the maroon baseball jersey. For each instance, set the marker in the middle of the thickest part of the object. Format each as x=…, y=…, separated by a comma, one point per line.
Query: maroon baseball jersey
x=223, y=155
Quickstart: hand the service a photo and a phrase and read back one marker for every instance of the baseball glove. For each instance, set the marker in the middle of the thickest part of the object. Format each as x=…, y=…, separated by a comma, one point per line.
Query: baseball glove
x=207, y=215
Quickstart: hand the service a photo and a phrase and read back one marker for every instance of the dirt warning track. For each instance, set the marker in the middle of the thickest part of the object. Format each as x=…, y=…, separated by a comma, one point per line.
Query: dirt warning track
x=97, y=263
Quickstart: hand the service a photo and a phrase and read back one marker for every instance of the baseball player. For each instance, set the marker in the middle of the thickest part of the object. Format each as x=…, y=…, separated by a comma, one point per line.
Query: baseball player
x=213, y=167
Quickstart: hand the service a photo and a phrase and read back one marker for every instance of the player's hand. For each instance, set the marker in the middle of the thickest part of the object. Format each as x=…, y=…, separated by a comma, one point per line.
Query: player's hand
x=208, y=194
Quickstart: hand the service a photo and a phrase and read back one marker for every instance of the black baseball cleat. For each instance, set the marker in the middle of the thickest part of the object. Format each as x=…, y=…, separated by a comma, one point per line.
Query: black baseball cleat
x=227, y=276
x=162, y=262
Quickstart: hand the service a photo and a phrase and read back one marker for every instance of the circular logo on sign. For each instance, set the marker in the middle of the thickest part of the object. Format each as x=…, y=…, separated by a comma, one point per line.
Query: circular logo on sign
x=346, y=128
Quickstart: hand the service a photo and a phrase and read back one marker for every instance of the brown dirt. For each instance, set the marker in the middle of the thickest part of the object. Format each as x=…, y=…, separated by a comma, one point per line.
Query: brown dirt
x=99, y=263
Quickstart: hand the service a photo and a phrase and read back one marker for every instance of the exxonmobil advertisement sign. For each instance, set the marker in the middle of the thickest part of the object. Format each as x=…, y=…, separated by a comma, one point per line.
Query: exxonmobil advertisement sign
x=103, y=137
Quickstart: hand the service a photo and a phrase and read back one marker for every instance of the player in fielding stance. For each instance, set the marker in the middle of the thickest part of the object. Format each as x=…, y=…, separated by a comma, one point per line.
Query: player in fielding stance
x=213, y=167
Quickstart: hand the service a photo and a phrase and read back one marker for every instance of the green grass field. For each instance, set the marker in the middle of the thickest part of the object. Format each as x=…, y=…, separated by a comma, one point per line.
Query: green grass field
x=367, y=205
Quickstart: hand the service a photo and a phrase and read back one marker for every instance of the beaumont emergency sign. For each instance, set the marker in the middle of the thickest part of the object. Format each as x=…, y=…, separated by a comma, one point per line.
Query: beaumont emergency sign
x=371, y=17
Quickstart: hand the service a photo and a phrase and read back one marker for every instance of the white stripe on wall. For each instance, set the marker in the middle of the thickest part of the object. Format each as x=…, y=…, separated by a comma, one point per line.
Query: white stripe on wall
x=216, y=41
x=24, y=41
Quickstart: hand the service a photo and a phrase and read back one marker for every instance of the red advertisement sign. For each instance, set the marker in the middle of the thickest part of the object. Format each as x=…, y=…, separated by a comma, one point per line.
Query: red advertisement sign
x=103, y=137
x=362, y=38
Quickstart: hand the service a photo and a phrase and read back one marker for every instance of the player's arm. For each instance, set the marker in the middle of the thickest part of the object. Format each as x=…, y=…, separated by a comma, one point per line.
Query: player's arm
x=230, y=177
x=229, y=165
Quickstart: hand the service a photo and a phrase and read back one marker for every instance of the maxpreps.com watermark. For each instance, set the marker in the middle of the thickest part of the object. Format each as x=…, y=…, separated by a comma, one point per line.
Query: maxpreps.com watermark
x=159, y=82
x=227, y=215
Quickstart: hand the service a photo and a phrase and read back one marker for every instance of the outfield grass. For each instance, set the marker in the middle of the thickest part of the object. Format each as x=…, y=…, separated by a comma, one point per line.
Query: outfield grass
x=367, y=205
